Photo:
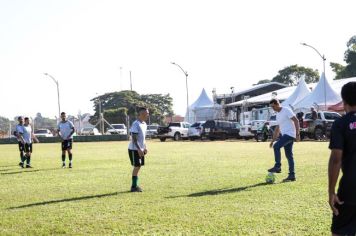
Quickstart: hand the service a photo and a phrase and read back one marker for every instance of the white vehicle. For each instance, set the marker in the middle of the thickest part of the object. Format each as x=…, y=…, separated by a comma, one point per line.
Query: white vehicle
x=117, y=129
x=43, y=133
x=195, y=130
x=151, y=131
x=90, y=131
x=175, y=130
x=246, y=132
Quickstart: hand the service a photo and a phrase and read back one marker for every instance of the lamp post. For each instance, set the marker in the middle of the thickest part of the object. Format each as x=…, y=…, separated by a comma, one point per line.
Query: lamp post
x=56, y=82
x=186, y=84
x=324, y=59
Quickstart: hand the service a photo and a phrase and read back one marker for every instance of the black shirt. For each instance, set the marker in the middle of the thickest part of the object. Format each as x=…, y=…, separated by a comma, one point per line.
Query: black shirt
x=343, y=137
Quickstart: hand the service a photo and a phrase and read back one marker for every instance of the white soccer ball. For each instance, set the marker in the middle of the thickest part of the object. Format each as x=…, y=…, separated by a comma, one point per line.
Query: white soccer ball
x=270, y=178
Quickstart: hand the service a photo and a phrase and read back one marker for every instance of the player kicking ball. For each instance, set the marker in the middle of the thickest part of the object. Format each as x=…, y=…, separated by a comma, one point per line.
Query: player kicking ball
x=137, y=147
x=66, y=131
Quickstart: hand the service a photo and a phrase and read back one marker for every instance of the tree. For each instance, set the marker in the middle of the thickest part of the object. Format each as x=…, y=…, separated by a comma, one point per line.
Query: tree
x=118, y=106
x=264, y=81
x=292, y=74
x=350, y=58
x=41, y=122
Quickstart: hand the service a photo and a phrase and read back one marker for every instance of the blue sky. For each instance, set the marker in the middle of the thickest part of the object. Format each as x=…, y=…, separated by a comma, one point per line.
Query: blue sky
x=221, y=44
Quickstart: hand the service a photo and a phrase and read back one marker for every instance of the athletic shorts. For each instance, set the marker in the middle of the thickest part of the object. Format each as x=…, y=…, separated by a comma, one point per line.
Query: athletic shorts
x=21, y=147
x=28, y=147
x=345, y=222
x=135, y=159
x=67, y=144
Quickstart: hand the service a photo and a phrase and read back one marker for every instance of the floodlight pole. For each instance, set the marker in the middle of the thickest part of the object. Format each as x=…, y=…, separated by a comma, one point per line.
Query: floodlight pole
x=57, y=83
x=324, y=59
x=186, y=85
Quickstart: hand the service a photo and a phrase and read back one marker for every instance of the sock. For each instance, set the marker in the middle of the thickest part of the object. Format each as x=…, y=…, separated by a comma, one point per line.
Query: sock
x=28, y=160
x=22, y=157
x=134, y=181
x=70, y=157
x=64, y=158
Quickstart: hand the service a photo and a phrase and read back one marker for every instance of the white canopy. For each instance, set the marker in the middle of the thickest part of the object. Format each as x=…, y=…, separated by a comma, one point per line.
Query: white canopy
x=203, y=109
x=322, y=95
x=300, y=92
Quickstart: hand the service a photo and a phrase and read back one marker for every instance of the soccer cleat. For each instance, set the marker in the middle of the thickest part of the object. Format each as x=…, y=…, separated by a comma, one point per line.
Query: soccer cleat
x=70, y=165
x=136, y=189
x=28, y=166
x=63, y=165
x=290, y=178
x=21, y=165
x=275, y=170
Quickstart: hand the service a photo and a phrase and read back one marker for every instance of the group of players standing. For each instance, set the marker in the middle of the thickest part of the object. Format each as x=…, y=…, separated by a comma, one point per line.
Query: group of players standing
x=25, y=138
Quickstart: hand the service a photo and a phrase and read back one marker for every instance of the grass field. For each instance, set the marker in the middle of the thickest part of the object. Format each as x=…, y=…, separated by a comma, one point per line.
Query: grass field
x=190, y=188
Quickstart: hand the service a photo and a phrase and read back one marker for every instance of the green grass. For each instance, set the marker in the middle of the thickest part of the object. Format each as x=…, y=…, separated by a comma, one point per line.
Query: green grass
x=190, y=188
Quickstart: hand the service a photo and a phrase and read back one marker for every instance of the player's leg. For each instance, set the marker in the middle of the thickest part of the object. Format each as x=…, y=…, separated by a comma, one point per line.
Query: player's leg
x=22, y=154
x=70, y=154
x=28, y=151
x=288, y=150
x=136, y=163
x=63, y=146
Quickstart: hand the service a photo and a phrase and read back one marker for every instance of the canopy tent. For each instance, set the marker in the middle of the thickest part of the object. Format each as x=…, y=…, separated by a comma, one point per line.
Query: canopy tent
x=300, y=92
x=322, y=96
x=203, y=109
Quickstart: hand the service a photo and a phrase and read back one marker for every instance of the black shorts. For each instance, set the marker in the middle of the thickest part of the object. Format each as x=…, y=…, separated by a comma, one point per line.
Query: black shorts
x=28, y=147
x=21, y=146
x=345, y=222
x=67, y=144
x=135, y=159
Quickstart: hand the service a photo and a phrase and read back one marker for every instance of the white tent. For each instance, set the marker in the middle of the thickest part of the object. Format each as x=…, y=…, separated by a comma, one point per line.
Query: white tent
x=300, y=92
x=322, y=95
x=203, y=109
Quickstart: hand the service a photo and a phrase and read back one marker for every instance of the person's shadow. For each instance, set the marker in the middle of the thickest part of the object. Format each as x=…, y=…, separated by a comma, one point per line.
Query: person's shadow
x=26, y=170
x=221, y=191
x=67, y=200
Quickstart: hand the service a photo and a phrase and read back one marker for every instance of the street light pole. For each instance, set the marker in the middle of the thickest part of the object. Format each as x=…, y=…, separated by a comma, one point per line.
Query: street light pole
x=186, y=85
x=57, y=83
x=324, y=59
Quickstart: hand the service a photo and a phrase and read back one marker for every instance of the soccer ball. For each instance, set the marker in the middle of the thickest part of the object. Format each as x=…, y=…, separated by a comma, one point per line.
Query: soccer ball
x=270, y=178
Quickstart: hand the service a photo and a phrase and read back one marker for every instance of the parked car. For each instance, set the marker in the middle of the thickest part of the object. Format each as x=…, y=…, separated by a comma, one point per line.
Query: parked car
x=152, y=131
x=90, y=131
x=43, y=133
x=246, y=132
x=117, y=129
x=175, y=130
x=221, y=129
x=319, y=128
x=195, y=130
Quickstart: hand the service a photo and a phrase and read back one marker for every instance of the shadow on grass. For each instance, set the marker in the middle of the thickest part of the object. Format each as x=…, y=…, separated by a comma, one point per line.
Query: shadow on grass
x=67, y=200
x=21, y=171
x=222, y=191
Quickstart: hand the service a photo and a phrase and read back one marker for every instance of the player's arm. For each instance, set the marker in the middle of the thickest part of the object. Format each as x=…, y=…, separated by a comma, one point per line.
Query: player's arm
x=19, y=135
x=71, y=133
x=135, y=142
x=333, y=173
x=275, y=135
x=297, y=128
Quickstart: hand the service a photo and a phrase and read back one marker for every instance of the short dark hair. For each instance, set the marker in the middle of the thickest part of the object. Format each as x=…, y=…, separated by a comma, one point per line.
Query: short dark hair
x=348, y=93
x=141, y=109
x=20, y=117
x=274, y=101
x=26, y=118
x=63, y=113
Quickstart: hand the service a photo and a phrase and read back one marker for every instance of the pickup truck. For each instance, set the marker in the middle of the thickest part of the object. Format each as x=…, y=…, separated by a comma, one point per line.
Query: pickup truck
x=175, y=130
x=320, y=128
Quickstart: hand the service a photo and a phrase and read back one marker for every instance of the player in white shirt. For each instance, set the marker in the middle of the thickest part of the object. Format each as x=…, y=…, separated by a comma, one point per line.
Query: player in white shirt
x=137, y=147
x=18, y=133
x=27, y=137
x=285, y=133
x=66, y=131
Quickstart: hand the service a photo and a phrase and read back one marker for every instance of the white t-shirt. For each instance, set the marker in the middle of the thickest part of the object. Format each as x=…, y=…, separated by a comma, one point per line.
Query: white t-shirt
x=65, y=128
x=286, y=125
x=138, y=128
x=27, y=134
x=19, y=130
